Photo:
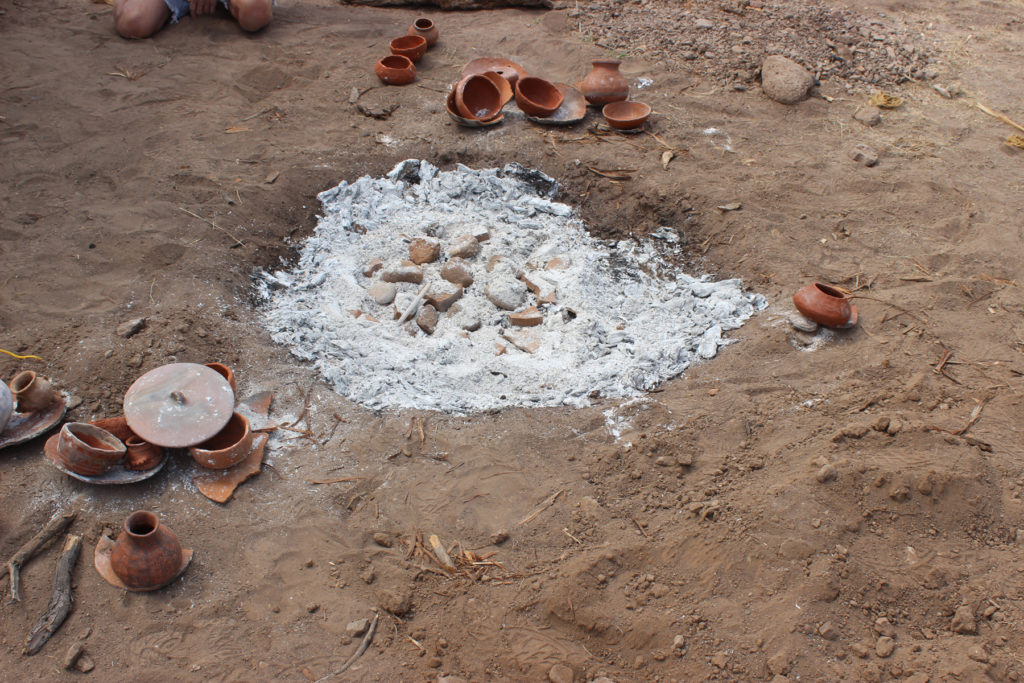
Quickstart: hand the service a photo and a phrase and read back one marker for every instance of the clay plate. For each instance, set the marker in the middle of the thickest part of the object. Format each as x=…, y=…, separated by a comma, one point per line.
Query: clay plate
x=573, y=109
x=101, y=560
x=116, y=475
x=503, y=67
x=204, y=405
x=27, y=426
x=220, y=485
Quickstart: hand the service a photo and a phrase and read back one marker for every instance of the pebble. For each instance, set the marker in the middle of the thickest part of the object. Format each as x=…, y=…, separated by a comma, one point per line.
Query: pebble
x=382, y=292
x=860, y=650
x=828, y=631
x=372, y=267
x=560, y=673
x=85, y=663
x=785, y=81
x=382, y=539
x=802, y=324
x=406, y=271
x=978, y=654
x=442, y=295
x=130, y=328
x=464, y=247
x=864, y=155
x=424, y=250
x=963, y=621
x=434, y=662
x=358, y=627
x=884, y=627
x=72, y=655
x=826, y=474
x=499, y=537
x=885, y=647
x=703, y=24
x=457, y=272
x=869, y=116
x=505, y=292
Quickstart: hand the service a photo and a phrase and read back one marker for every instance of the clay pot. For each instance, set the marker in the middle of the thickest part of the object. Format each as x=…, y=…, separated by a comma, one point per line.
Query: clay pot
x=228, y=447
x=626, y=115
x=6, y=406
x=225, y=372
x=413, y=47
x=426, y=28
x=510, y=71
x=604, y=83
x=453, y=112
x=31, y=391
x=142, y=455
x=825, y=305
x=504, y=87
x=147, y=555
x=476, y=97
x=396, y=70
x=86, y=449
x=538, y=97
x=118, y=426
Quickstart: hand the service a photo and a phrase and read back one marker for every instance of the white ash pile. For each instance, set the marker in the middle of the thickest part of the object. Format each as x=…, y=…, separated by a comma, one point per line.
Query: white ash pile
x=468, y=290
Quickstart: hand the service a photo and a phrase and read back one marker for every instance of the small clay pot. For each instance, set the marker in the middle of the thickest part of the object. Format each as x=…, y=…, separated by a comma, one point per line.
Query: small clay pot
x=86, y=449
x=538, y=97
x=6, y=406
x=426, y=28
x=396, y=70
x=225, y=372
x=604, y=83
x=142, y=455
x=626, y=115
x=413, y=47
x=31, y=391
x=147, y=555
x=476, y=97
x=228, y=447
x=504, y=87
x=825, y=305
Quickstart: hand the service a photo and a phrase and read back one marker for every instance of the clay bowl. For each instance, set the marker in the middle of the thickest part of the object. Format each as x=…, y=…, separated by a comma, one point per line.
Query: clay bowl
x=538, y=97
x=573, y=109
x=413, y=47
x=626, y=115
x=510, y=71
x=6, y=405
x=225, y=372
x=426, y=28
x=141, y=455
x=147, y=555
x=825, y=305
x=396, y=70
x=449, y=106
x=476, y=97
x=504, y=87
x=89, y=450
x=228, y=447
x=31, y=391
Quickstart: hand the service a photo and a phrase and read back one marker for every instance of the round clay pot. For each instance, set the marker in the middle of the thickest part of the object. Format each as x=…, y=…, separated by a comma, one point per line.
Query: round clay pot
x=476, y=97
x=396, y=70
x=413, y=47
x=142, y=455
x=6, y=406
x=426, y=28
x=86, y=449
x=225, y=372
x=504, y=87
x=31, y=391
x=228, y=447
x=604, y=83
x=538, y=97
x=824, y=305
x=147, y=555
x=626, y=115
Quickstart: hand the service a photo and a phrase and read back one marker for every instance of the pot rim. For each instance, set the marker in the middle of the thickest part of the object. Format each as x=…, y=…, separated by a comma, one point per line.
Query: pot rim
x=405, y=65
x=141, y=517
x=116, y=445
x=23, y=380
x=829, y=291
x=610, y=62
x=419, y=41
x=423, y=24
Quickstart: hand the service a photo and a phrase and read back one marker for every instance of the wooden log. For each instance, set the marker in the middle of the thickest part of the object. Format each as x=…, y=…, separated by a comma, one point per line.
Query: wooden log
x=57, y=524
x=60, y=601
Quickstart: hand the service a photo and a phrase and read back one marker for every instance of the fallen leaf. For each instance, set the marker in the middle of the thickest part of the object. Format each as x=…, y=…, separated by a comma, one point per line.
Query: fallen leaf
x=667, y=156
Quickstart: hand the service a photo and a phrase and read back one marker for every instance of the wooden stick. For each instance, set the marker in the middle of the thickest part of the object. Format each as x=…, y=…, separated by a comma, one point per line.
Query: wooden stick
x=60, y=601
x=362, y=648
x=543, y=506
x=56, y=526
x=1002, y=117
x=409, y=312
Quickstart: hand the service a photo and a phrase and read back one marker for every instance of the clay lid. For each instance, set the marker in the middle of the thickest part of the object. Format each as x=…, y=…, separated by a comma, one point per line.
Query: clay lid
x=179, y=405
x=511, y=71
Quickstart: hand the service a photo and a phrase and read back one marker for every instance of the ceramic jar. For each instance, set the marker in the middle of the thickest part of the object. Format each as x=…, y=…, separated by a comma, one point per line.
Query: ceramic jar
x=538, y=97
x=476, y=97
x=31, y=391
x=413, y=47
x=823, y=304
x=396, y=70
x=88, y=450
x=6, y=406
x=604, y=83
x=147, y=555
x=426, y=28
x=228, y=447
x=225, y=372
x=142, y=455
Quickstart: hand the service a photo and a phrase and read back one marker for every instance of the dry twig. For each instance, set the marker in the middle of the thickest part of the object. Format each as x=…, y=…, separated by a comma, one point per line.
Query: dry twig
x=57, y=524
x=60, y=601
x=367, y=639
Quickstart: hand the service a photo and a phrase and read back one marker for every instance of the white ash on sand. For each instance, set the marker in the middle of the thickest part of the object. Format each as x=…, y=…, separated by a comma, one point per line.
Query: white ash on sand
x=591, y=317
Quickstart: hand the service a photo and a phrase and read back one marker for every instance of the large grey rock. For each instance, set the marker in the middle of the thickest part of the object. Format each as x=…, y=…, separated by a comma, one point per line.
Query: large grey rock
x=785, y=81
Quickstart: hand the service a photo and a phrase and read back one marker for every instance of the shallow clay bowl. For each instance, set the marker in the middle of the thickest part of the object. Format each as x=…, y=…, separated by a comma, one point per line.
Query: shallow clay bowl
x=504, y=87
x=573, y=109
x=510, y=71
x=395, y=70
x=449, y=106
x=413, y=47
x=537, y=97
x=626, y=115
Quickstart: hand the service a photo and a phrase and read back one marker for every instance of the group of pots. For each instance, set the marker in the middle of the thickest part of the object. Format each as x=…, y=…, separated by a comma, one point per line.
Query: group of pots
x=399, y=68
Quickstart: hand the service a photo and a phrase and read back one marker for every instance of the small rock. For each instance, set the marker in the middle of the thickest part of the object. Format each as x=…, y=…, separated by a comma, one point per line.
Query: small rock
x=828, y=631
x=560, y=673
x=885, y=646
x=434, y=662
x=799, y=322
x=481, y=233
x=72, y=655
x=978, y=654
x=780, y=679
x=372, y=267
x=452, y=679
x=424, y=250
x=884, y=627
x=382, y=539
x=382, y=292
x=679, y=642
x=703, y=24
x=826, y=474
x=312, y=607
x=895, y=425
x=358, y=627
x=506, y=293
x=526, y=341
x=558, y=263
x=499, y=537
x=720, y=660
x=864, y=155
x=942, y=91
x=427, y=319
x=528, y=317
x=369, y=574
x=963, y=621
x=869, y=116
x=406, y=271
x=442, y=295
x=85, y=663
x=540, y=286
x=785, y=81
x=860, y=650
x=398, y=601
x=130, y=328
x=457, y=272
x=464, y=246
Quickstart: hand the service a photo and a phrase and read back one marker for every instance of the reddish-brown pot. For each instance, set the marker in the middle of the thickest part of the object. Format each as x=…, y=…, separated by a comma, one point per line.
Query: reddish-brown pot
x=476, y=97
x=31, y=391
x=147, y=555
x=426, y=28
x=142, y=455
x=225, y=372
x=604, y=83
x=86, y=449
x=538, y=97
x=396, y=70
x=626, y=115
x=413, y=47
x=228, y=447
x=824, y=305
x=503, y=86
x=118, y=426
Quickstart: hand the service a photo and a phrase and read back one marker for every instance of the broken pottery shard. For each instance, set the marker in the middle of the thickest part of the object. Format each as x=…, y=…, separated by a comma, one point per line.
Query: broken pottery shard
x=442, y=295
x=559, y=263
x=220, y=485
x=505, y=292
x=382, y=292
x=457, y=272
x=406, y=271
x=529, y=317
x=526, y=341
x=540, y=286
x=464, y=246
x=372, y=267
x=481, y=234
x=424, y=250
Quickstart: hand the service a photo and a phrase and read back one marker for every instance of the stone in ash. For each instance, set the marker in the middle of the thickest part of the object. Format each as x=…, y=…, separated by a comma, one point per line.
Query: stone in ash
x=505, y=292
x=465, y=246
x=382, y=292
x=457, y=272
x=406, y=271
x=424, y=250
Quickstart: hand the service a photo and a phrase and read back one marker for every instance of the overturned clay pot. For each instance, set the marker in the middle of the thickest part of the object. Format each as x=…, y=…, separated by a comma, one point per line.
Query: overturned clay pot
x=228, y=447
x=426, y=28
x=31, y=392
x=146, y=555
x=538, y=97
x=413, y=47
x=89, y=450
x=825, y=305
x=396, y=70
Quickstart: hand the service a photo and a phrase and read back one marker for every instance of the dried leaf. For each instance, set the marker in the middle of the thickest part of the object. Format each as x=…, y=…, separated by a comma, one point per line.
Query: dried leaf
x=884, y=101
x=667, y=156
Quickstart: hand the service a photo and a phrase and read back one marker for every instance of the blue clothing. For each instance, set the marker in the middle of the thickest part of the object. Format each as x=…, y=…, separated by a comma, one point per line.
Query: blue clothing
x=179, y=8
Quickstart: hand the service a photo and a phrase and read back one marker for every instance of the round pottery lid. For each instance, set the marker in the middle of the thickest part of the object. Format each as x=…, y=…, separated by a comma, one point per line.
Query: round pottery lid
x=510, y=70
x=179, y=405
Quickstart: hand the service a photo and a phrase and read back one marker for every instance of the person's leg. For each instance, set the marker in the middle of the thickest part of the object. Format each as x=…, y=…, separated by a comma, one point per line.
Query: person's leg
x=140, y=18
x=252, y=15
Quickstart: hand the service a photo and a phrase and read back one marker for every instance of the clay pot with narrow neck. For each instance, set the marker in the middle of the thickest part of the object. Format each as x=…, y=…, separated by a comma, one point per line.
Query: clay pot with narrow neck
x=825, y=305
x=225, y=372
x=604, y=83
x=426, y=28
x=31, y=391
x=6, y=406
x=228, y=447
x=86, y=449
x=142, y=455
x=147, y=555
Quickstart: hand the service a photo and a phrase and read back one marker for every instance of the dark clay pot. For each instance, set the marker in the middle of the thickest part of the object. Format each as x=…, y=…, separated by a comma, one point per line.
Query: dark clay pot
x=396, y=70
x=824, y=305
x=604, y=83
x=88, y=450
x=538, y=97
x=228, y=447
x=426, y=28
x=31, y=391
x=147, y=555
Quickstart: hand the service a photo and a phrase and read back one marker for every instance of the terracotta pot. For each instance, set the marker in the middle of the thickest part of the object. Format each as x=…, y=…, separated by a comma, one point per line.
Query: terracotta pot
x=225, y=372
x=604, y=83
x=453, y=112
x=504, y=87
x=6, y=406
x=228, y=447
x=413, y=47
x=396, y=70
x=476, y=97
x=87, y=449
x=118, y=426
x=510, y=71
x=147, y=555
x=142, y=455
x=626, y=115
x=824, y=305
x=31, y=391
x=538, y=97
x=426, y=28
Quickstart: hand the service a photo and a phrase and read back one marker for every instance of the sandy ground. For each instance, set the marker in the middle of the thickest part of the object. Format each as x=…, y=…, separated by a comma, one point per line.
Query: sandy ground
x=694, y=516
